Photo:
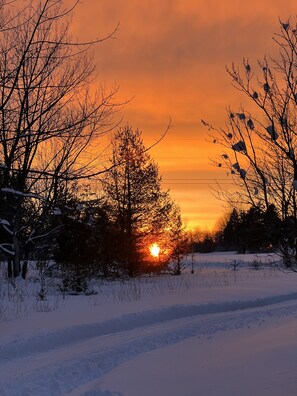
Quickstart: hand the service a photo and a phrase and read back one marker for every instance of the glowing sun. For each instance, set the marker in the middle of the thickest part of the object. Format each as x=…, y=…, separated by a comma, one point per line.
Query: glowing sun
x=155, y=250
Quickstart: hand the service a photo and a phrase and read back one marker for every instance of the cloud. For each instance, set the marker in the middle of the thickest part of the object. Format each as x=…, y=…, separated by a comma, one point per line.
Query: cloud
x=171, y=36
x=170, y=57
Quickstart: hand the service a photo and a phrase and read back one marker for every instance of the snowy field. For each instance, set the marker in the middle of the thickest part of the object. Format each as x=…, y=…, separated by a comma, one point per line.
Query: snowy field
x=211, y=333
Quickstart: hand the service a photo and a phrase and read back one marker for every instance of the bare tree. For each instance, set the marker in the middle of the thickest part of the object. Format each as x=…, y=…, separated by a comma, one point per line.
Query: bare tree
x=49, y=118
x=259, y=146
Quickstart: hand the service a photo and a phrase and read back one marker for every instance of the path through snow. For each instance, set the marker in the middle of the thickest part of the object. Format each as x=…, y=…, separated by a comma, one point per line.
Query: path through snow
x=68, y=361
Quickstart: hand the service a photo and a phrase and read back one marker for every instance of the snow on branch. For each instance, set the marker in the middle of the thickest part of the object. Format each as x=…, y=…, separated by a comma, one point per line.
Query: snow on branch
x=56, y=212
x=33, y=238
x=6, y=250
x=20, y=193
x=5, y=224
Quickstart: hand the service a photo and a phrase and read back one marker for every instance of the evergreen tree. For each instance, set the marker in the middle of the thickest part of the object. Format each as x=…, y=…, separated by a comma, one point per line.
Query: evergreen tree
x=178, y=242
x=139, y=209
x=230, y=232
x=82, y=241
x=253, y=230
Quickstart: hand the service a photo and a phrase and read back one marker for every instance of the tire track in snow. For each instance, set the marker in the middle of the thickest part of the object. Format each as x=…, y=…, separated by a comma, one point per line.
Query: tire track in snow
x=20, y=348
x=81, y=363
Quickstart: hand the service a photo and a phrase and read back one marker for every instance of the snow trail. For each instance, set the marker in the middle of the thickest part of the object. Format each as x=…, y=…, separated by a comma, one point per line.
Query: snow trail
x=59, y=362
x=23, y=347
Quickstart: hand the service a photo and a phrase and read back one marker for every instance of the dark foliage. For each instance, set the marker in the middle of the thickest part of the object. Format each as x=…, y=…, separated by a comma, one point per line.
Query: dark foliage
x=83, y=245
x=253, y=230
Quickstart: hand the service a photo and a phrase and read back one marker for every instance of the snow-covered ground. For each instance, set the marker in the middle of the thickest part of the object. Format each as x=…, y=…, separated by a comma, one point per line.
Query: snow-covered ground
x=211, y=333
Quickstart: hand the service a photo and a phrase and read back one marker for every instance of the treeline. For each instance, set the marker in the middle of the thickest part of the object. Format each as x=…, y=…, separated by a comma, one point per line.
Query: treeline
x=252, y=230
x=108, y=235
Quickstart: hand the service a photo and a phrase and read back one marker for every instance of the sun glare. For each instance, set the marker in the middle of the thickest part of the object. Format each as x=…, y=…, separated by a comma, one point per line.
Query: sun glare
x=155, y=250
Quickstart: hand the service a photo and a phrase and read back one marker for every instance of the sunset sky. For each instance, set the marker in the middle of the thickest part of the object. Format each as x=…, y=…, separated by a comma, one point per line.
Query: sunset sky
x=168, y=58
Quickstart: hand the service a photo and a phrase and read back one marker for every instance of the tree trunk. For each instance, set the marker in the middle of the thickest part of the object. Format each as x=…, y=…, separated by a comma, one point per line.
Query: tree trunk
x=16, y=257
x=16, y=244
x=9, y=268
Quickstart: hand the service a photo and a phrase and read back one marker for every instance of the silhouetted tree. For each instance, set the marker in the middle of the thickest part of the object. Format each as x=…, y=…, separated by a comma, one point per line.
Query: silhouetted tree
x=83, y=245
x=178, y=241
x=252, y=230
x=207, y=244
x=139, y=208
x=259, y=146
x=230, y=231
x=48, y=117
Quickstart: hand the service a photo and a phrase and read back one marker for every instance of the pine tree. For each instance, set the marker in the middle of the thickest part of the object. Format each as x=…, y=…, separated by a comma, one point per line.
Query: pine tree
x=139, y=208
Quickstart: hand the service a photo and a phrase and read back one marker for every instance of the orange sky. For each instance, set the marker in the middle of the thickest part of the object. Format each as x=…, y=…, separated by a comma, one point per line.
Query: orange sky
x=170, y=57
